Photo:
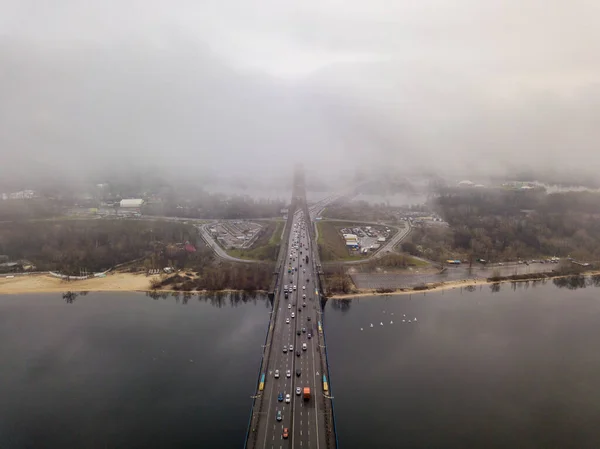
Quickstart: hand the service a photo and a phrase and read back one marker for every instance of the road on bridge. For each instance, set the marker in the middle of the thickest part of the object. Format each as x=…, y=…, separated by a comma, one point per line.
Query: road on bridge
x=294, y=360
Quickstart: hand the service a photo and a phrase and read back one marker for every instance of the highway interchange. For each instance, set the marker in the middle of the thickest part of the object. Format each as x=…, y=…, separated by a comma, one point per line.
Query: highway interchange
x=303, y=419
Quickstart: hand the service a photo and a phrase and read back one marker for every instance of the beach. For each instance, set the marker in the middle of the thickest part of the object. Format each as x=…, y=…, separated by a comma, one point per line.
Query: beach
x=44, y=283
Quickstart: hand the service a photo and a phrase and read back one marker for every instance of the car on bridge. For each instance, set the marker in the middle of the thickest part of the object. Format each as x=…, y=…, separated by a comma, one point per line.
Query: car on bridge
x=280, y=397
x=298, y=391
x=298, y=372
x=285, y=432
x=276, y=374
x=291, y=348
x=287, y=398
x=298, y=332
x=287, y=321
x=279, y=417
x=285, y=349
x=309, y=336
x=293, y=315
x=288, y=373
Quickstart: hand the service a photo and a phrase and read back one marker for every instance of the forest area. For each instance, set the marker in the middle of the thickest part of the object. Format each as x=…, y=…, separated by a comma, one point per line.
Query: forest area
x=70, y=246
x=507, y=225
x=219, y=275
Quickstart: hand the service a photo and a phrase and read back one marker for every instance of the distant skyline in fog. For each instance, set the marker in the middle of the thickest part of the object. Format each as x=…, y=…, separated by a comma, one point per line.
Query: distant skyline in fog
x=235, y=88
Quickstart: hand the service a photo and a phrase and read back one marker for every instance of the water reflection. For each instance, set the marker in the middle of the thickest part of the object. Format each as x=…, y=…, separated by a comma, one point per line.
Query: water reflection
x=69, y=297
x=219, y=299
x=571, y=282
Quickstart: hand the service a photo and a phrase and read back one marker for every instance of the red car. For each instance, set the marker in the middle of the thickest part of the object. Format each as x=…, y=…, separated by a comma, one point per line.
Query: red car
x=285, y=432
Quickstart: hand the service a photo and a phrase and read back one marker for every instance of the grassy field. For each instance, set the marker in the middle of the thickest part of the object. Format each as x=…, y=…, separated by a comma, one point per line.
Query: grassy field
x=266, y=246
x=331, y=244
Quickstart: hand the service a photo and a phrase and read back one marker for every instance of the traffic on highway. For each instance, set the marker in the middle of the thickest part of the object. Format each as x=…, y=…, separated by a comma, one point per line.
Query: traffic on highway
x=293, y=377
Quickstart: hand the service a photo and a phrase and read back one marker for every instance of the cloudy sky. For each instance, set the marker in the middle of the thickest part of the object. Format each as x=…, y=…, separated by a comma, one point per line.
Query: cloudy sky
x=232, y=85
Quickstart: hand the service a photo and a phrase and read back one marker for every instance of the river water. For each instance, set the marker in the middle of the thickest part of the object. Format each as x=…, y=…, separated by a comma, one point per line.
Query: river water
x=478, y=369
x=514, y=368
x=126, y=371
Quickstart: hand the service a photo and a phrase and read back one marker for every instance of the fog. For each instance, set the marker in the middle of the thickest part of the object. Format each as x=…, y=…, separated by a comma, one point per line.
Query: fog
x=233, y=87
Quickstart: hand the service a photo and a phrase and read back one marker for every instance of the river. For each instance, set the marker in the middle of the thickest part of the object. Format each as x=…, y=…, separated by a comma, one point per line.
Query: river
x=514, y=367
x=127, y=371
x=479, y=368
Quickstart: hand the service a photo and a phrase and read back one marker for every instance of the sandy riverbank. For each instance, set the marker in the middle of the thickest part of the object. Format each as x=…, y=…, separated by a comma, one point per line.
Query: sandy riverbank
x=450, y=285
x=43, y=283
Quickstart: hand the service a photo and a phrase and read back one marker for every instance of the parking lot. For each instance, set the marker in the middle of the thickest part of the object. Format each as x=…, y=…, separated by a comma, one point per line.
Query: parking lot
x=367, y=238
x=239, y=234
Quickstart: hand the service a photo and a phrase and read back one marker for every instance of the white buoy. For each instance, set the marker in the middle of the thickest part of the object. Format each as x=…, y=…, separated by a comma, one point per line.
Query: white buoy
x=381, y=323
x=415, y=319
x=405, y=314
x=361, y=328
x=391, y=322
x=371, y=324
x=392, y=313
x=404, y=321
x=384, y=311
x=409, y=321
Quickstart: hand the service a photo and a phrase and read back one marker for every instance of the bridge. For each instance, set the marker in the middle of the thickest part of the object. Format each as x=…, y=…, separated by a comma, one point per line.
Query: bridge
x=295, y=354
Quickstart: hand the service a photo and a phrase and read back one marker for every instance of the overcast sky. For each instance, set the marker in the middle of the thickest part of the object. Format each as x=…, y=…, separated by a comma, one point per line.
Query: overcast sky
x=236, y=85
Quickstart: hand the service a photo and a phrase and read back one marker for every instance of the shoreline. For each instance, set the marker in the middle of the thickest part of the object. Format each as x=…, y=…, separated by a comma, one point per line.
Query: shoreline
x=116, y=282
x=129, y=282
x=451, y=285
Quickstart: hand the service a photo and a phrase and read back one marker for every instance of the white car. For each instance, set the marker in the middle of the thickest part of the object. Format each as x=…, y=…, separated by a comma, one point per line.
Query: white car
x=287, y=321
x=288, y=373
x=303, y=296
x=294, y=288
x=304, y=287
x=304, y=346
x=298, y=391
x=287, y=398
x=276, y=374
x=292, y=348
x=289, y=306
x=293, y=315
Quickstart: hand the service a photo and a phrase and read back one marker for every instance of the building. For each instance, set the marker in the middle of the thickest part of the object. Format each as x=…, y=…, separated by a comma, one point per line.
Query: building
x=132, y=203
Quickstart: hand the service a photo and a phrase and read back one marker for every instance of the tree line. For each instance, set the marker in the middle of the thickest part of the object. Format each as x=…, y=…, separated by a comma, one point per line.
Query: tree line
x=70, y=246
x=496, y=224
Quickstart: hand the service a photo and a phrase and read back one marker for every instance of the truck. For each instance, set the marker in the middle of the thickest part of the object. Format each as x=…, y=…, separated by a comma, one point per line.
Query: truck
x=306, y=393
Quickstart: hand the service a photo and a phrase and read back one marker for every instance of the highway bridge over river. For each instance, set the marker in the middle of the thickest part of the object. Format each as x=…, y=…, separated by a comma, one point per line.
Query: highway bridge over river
x=295, y=354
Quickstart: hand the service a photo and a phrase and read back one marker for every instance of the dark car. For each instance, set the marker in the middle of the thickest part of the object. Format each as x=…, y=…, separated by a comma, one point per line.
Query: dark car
x=298, y=372
x=298, y=352
x=303, y=330
x=280, y=397
x=308, y=318
x=298, y=332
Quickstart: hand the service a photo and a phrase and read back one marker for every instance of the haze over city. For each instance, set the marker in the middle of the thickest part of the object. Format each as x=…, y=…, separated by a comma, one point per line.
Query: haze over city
x=233, y=86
